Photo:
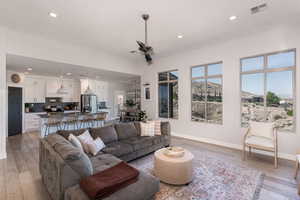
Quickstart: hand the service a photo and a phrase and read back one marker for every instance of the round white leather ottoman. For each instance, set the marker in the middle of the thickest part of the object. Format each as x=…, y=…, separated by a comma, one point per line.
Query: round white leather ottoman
x=173, y=170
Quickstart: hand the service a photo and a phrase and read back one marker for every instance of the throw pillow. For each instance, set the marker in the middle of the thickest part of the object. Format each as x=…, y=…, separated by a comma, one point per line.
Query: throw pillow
x=157, y=127
x=147, y=129
x=96, y=146
x=85, y=138
x=74, y=140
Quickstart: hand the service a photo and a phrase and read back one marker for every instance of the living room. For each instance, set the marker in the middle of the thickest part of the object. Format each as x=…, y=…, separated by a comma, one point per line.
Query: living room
x=217, y=67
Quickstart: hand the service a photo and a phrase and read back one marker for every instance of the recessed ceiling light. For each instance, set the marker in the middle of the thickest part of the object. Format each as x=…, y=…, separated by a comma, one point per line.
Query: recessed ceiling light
x=180, y=36
x=52, y=14
x=69, y=74
x=232, y=18
x=29, y=69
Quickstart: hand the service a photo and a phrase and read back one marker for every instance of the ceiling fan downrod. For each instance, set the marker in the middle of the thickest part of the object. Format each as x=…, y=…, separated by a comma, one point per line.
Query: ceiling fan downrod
x=145, y=18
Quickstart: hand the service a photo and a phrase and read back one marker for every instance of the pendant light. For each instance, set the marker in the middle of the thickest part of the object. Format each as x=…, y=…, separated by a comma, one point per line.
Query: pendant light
x=88, y=89
x=62, y=89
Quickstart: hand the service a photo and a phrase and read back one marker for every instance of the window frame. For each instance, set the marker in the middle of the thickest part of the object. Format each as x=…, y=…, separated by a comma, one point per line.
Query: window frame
x=167, y=81
x=205, y=77
x=267, y=70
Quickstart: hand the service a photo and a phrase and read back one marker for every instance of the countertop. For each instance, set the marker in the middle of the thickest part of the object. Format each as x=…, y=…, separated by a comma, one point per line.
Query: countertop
x=65, y=114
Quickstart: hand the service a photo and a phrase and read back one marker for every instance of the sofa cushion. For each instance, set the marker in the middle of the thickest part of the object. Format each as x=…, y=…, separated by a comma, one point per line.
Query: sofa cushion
x=138, y=127
x=139, y=142
x=165, y=128
x=158, y=139
x=118, y=149
x=66, y=134
x=144, y=189
x=126, y=130
x=75, y=141
x=63, y=147
x=107, y=134
x=82, y=166
x=72, y=155
x=101, y=162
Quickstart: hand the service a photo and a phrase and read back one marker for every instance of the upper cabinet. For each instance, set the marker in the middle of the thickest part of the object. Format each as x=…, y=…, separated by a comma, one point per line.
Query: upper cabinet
x=102, y=90
x=99, y=88
x=34, y=90
x=72, y=88
x=52, y=85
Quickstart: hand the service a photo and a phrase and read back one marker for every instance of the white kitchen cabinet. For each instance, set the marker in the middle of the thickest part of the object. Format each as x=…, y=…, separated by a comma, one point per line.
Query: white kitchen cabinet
x=32, y=122
x=69, y=87
x=101, y=90
x=76, y=91
x=52, y=85
x=34, y=90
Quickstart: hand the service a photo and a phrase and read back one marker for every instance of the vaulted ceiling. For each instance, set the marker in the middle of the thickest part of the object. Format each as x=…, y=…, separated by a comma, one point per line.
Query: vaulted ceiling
x=114, y=25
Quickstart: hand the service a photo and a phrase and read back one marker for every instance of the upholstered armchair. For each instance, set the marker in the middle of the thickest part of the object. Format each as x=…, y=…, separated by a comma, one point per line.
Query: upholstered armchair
x=262, y=136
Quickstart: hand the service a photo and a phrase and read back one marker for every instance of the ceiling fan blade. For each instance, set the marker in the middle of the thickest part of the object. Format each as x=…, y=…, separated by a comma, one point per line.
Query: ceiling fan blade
x=141, y=44
x=148, y=58
x=133, y=51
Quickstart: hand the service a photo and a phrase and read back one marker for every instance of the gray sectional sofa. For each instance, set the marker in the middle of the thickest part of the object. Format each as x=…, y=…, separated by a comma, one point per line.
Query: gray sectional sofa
x=63, y=165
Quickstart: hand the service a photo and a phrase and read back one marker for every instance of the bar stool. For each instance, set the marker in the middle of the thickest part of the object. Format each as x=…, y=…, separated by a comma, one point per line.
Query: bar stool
x=87, y=121
x=53, y=121
x=70, y=120
x=100, y=119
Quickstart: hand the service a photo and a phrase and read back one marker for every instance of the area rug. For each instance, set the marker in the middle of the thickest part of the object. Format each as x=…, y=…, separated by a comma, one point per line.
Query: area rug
x=214, y=179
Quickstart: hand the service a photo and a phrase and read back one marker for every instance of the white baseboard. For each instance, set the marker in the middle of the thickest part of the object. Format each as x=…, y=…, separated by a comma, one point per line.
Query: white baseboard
x=231, y=145
x=3, y=155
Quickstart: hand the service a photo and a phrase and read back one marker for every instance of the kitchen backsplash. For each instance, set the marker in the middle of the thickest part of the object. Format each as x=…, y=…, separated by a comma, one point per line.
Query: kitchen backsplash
x=39, y=107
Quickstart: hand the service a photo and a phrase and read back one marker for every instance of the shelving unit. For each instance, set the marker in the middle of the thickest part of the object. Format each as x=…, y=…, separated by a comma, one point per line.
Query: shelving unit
x=134, y=93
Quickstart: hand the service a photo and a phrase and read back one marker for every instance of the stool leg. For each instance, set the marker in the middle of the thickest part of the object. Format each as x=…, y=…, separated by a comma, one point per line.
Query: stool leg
x=297, y=168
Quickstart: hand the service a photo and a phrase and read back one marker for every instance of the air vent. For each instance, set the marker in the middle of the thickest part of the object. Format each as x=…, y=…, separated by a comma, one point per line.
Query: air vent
x=259, y=8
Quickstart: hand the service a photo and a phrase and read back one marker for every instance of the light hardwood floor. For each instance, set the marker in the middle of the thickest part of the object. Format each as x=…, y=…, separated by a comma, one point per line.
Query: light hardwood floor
x=20, y=178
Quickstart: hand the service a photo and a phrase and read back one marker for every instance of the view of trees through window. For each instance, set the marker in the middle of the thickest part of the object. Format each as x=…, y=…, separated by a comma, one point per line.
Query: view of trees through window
x=267, y=89
x=207, y=93
x=168, y=94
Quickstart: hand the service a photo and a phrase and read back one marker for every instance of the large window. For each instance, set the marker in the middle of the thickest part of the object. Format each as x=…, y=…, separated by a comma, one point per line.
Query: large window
x=168, y=94
x=207, y=93
x=268, y=89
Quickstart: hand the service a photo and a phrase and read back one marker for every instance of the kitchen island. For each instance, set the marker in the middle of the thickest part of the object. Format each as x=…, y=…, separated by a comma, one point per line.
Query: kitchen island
x=51, y=122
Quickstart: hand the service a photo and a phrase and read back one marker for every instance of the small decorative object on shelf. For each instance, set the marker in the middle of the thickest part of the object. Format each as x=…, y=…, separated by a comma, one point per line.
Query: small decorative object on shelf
x=174, y=152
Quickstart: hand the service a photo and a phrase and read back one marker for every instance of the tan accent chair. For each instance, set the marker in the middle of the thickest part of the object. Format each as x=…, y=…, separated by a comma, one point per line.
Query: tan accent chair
x=297, y=169
x=262, y=136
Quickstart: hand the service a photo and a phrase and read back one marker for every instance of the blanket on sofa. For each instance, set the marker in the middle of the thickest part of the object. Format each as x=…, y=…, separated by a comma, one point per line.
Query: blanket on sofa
x=108, y=181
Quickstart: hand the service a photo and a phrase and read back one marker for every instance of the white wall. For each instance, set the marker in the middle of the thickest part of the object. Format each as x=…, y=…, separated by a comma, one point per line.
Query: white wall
x=3, y=95
x=229, y=134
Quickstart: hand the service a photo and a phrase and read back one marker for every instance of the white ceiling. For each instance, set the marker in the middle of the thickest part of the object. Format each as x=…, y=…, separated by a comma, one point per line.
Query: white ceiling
x=48, y=68
x=114, y=25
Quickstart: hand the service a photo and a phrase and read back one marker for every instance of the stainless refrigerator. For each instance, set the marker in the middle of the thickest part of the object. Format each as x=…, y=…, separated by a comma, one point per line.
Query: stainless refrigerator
x=88, y=103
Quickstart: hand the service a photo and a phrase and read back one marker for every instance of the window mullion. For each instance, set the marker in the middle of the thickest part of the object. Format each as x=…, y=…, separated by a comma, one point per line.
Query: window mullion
x=265, y=87
x=206, y=91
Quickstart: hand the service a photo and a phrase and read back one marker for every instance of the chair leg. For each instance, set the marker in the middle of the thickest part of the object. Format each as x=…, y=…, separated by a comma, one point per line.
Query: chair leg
x=244, y=151
x=276, y=160
x=297, y=168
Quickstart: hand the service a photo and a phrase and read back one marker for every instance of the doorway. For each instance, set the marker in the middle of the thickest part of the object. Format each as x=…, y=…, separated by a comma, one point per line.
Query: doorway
x=119, y=103
x=15, y=100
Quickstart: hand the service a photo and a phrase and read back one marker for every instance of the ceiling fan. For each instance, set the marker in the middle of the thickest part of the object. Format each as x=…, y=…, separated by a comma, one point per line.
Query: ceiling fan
x=144, y=48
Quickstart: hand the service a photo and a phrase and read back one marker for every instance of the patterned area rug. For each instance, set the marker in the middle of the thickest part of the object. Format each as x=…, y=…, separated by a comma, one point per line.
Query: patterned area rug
x=214, y=179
